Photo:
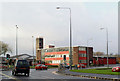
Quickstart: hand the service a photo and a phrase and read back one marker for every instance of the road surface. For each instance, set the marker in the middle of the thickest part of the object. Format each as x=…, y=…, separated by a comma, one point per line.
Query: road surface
x=37, y=75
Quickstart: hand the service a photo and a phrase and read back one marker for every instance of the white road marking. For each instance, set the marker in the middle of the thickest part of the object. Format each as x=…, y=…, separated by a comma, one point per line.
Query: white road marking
x=54, y=72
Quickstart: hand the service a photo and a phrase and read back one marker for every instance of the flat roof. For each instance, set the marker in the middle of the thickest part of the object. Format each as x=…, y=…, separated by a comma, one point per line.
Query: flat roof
x=63, y=47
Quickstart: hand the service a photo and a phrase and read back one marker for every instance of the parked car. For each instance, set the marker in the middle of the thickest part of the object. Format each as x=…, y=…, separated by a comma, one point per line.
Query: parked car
x=21, y=66
x=41, y=67
x=116, y=69
x=80, y=65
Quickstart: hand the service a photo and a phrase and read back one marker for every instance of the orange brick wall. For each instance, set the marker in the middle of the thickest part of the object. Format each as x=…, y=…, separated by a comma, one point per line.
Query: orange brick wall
x=38, y=54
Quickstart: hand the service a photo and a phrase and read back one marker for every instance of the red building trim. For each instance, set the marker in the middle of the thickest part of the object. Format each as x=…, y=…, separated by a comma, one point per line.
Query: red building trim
x=82, y=58
x=83, y=52
x=54, y=53
x=54, y=64
x=61, y=58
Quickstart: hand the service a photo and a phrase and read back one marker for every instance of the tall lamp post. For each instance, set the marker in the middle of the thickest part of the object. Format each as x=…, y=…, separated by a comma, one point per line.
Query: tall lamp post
x=70, y=48
x=33, y=49
x=16, y=42
x=107, y=44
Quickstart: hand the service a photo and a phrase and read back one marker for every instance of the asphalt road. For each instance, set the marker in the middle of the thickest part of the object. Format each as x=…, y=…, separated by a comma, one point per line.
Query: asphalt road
x=47, y=75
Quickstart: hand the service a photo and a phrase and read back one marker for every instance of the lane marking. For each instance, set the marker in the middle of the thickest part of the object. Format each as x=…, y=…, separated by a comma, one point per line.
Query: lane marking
x=7, y=76
x=54, y=72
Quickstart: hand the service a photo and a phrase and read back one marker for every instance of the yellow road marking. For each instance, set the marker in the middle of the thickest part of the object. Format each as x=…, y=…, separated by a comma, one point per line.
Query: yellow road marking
x=7, y=76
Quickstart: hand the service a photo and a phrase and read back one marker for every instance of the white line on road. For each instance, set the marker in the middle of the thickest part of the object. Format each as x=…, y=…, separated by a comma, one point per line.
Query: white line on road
x=54, y=72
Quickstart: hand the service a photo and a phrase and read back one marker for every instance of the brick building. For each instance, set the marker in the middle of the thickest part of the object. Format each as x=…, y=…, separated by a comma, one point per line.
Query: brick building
x=55, y=56
x=39, y=46
x=101, y=60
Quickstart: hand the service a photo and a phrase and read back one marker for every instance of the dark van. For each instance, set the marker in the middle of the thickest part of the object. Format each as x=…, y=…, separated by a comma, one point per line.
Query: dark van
x=21, y=66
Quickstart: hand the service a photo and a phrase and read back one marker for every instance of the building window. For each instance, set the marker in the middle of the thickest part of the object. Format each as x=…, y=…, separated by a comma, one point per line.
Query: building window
x=82, y=55
x=82, y=49
x=82, y=61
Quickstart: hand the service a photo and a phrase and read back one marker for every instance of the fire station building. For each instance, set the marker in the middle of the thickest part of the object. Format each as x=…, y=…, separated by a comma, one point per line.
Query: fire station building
x=55, y=56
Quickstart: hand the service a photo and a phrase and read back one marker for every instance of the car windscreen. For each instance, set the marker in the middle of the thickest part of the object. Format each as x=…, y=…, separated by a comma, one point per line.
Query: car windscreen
x=43, y=65
x=22, y=62
x=39, y=65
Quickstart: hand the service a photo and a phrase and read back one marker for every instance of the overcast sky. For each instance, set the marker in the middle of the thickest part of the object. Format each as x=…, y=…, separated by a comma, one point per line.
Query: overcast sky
x=44, y=20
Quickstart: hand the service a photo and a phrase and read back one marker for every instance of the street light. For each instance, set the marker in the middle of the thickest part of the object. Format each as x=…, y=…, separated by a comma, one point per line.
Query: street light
x=16, y=42
x=88, y=52
x=70, y=48
x=33, y=49
x=107, y=44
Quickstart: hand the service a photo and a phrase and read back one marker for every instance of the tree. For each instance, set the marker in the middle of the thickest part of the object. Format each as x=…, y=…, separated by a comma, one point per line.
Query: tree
x=99, y=53
x=4, y=48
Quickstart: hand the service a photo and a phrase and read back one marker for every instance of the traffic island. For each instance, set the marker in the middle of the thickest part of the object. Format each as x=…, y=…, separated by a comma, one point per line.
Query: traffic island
x=93, y=75
x=106, y=71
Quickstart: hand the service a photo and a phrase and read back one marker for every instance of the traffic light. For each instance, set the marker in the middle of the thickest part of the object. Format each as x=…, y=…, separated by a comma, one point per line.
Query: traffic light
x=7, y=56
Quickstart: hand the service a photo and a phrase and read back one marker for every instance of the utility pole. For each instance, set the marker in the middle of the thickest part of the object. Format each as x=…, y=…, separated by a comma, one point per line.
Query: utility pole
x=33, y=49
x=107, y=45
x=16, y=42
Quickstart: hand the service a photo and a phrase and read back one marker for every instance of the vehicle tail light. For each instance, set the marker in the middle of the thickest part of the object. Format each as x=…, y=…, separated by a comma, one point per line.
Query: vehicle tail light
x=15, y=67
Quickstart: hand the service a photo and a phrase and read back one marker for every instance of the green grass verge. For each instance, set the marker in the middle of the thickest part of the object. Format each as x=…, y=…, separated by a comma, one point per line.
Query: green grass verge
x=32, y=67
x=50, y=66
x=107, y=71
